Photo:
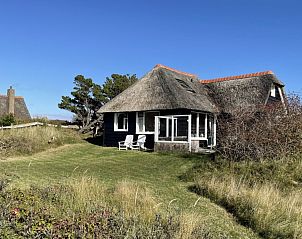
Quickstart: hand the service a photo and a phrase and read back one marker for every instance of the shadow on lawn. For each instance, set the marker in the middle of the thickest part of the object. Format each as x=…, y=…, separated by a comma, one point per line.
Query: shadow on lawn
x=97, y=140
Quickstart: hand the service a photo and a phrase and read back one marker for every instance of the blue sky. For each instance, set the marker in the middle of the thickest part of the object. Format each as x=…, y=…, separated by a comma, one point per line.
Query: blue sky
x=44, y=44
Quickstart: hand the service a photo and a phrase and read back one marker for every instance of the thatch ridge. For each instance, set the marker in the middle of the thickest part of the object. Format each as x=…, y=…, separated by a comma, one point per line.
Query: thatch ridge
x=243, y=76
x=177, y=71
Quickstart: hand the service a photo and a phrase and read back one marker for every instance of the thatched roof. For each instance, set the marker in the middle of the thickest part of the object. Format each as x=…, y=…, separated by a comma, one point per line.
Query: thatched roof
x=160, y=89
x=243, y=91
x=166, y=88
x=21, y=111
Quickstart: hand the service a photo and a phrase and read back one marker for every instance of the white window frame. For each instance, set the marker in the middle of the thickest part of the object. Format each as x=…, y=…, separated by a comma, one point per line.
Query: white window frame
x=273, y=91
x=172, y=117
x=125, y=125
x=205, y=137
x=144, y=124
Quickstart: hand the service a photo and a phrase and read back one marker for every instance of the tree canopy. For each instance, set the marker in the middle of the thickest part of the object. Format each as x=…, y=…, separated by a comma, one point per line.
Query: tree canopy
x=117, y=84
x=88, y=97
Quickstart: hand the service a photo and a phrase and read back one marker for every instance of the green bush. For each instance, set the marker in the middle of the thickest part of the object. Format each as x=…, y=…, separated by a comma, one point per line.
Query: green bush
x=7, y=120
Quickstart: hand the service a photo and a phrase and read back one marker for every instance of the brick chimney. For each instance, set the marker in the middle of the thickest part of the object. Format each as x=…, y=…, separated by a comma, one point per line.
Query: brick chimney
x=11, y=101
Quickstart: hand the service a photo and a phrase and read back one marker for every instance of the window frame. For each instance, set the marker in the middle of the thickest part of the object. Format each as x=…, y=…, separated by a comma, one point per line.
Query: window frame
x=273, y=92
x=125, y=125
x=144, y=123
x=173, y=128
x=198, y=126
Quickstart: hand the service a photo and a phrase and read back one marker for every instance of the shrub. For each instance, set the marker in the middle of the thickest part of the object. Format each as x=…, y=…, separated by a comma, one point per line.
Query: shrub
x=7, y=120
x=270, y=132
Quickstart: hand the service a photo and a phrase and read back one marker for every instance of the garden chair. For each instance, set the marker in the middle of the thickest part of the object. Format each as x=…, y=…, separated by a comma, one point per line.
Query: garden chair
x=126, y=144
x=140, y=143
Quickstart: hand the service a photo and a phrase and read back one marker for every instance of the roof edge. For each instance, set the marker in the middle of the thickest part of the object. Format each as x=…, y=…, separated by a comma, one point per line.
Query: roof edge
x=237, y=77
x=172, y=69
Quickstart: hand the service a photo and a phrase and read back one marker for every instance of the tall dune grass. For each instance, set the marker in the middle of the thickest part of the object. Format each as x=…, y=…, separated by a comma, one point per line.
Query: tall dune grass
x=85, y=208
x=135, y=200
x=34, y=139
x=263, y=207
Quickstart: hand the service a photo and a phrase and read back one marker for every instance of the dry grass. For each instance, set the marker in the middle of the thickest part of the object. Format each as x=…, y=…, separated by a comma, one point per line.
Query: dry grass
x=83, y=195
x=262, y=207
x=189, y=223
x=135, y=200
x=35, y=139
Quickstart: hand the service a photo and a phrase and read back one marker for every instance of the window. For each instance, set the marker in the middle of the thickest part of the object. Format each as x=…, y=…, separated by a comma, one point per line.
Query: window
x=140, y=121
x=198, y=121
x=172, y=128
x=145, y=122
x=194, y=125
x=202, y=125
x=185, y=85
x=120, y=122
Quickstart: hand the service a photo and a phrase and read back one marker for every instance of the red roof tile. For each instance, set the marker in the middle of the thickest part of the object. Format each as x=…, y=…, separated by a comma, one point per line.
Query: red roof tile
x=171, y=69
x=237, y=77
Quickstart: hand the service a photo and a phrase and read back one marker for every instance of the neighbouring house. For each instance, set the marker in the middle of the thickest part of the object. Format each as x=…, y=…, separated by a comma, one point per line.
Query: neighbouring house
x=178, y=111
x=15, y=105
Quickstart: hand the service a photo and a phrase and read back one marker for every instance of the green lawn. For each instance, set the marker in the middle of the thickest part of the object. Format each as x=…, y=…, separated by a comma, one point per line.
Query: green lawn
x=159, y=172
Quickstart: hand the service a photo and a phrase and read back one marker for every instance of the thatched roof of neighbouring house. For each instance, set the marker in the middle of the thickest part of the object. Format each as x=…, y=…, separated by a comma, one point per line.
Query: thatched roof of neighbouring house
x=242, y=91
x=160, y=89
x=19, y=108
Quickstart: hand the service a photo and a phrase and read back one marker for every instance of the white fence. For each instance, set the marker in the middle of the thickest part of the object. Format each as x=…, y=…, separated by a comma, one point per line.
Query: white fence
x=34, y=124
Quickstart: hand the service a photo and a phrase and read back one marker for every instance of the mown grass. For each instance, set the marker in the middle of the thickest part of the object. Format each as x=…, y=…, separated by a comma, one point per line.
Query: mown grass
x=153, y=177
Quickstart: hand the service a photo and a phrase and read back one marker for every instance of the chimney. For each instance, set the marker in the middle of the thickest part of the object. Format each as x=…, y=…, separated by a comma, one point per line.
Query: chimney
x=11, y=101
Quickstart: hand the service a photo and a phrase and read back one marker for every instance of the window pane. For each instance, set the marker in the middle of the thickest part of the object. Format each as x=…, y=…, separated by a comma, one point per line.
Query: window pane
x=193, y=125
x=162, y=128
x=122, y=121
x=140, y=124
x=181, y=128
x=210, y=129
x=140, y=121
x=150, y=121
x=210, y=125
x=202, y=118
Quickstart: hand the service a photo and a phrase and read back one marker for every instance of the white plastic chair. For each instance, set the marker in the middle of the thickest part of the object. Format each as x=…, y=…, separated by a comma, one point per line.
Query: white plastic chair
x=140, y=143
x=124, y=145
